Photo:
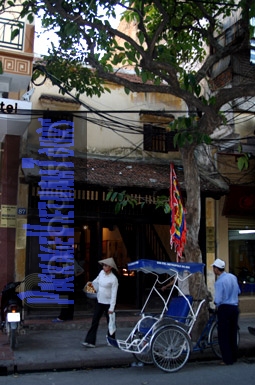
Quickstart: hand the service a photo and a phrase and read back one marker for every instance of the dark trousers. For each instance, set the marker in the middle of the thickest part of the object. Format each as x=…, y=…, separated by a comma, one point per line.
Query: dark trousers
x=67, y=311
x=100, y=309
x=227, y=332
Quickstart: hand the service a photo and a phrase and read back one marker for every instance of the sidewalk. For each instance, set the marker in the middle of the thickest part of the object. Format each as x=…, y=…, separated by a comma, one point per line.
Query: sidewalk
x=57, y=346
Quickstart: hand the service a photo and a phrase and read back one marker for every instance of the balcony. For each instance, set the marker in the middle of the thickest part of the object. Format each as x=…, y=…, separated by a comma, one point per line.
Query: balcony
x=9, y=28
x=16, y=54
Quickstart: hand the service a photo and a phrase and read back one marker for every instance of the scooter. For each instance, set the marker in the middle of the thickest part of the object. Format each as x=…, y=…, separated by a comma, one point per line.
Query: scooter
x=11, y=312
x=246, y=276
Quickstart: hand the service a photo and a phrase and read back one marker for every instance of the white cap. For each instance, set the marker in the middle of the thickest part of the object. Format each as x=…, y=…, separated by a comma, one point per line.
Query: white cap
x=219, y=263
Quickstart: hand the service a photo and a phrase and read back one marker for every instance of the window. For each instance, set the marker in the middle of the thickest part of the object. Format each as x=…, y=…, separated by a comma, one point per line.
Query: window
x=157, y=139
x=58, y=116
x=242, y=259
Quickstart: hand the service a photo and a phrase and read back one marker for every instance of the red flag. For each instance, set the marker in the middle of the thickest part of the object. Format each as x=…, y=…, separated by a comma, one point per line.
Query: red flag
x=178, y=216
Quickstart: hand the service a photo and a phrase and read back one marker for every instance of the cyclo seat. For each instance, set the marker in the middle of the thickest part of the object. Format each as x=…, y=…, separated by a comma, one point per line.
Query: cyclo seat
x=179, y=308
x=146, y=324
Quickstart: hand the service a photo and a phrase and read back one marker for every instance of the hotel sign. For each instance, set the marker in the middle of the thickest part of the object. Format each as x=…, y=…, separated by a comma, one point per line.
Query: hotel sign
x=9, y=108
x=15, y=116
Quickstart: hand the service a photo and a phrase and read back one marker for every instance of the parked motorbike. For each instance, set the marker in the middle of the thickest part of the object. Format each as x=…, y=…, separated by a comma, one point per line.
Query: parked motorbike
x=245, y=276
x=11, y=312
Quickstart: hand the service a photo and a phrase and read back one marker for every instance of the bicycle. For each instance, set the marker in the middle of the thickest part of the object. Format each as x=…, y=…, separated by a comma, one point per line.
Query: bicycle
x=209, y=335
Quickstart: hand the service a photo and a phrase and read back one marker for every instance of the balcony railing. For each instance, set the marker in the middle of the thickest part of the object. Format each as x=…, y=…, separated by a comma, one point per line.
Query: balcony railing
x=7, y=39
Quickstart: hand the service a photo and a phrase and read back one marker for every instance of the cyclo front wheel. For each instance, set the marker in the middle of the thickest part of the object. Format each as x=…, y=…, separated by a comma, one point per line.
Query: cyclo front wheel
x=170, y=348
x=145, y=358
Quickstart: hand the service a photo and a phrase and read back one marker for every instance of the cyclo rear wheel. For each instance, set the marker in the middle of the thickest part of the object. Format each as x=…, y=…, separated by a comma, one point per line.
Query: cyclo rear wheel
x=170, y=348
x=214, y=342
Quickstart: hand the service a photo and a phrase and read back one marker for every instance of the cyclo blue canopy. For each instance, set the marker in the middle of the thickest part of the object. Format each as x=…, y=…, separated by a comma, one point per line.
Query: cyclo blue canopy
x=160, y=267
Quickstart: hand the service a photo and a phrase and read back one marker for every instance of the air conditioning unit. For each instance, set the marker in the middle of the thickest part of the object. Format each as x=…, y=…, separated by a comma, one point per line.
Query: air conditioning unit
x=5, y=83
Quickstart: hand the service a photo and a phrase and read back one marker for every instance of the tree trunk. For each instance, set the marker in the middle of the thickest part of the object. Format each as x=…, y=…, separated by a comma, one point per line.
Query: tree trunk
x=192, y=250
x=193, y=204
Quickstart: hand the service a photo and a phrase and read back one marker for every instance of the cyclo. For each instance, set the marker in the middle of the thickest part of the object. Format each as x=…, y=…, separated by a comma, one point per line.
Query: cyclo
x=165, y=338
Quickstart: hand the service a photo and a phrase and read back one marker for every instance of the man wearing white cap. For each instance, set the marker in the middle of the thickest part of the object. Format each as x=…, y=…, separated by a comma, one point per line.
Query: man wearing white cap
x=226, y=300
x=106, y=284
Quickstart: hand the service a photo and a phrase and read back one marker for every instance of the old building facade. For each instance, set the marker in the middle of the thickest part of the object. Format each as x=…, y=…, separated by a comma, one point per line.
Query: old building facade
x=121, y=142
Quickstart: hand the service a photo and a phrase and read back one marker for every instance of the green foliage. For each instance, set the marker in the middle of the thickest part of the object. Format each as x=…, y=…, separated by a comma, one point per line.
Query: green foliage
x=190, y=83
x=187, y=132
x=171, y=36
x=243, y=161
x=30, y=18
x=123, y=199
x=68, y=72
x=15, y=33
x=163, y=202
x=167, y=48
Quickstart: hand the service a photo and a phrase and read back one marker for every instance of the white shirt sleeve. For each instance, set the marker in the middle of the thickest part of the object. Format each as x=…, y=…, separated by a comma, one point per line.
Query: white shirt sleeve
x=107, y=289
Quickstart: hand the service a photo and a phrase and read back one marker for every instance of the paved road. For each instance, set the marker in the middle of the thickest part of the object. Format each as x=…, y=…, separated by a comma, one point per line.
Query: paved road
x=195, y=373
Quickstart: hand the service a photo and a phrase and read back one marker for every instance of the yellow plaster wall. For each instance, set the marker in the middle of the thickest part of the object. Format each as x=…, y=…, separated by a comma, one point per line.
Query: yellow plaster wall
x=20, y=249
x=99, y=135
x=222, y=233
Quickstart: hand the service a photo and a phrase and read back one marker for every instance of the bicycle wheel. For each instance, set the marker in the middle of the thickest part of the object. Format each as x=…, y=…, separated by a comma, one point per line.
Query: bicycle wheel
x=213, y=340
x=170, y=348
x=145, y=358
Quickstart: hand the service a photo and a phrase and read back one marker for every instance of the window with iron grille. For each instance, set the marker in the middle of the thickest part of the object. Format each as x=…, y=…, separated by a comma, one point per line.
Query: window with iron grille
x=58, y=124
x=158, y=139
x=56, y=116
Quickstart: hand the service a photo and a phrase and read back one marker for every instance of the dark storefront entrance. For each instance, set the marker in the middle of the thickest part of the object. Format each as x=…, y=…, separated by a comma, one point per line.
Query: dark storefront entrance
x=125, y=242
x=100, y=233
